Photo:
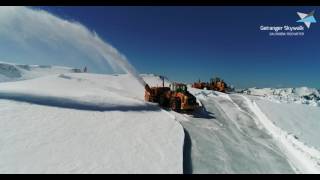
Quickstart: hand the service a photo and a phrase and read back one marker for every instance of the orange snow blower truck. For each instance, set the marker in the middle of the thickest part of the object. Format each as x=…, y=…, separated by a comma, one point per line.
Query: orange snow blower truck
x=199, y=85
x=216, y=84
x=175, y=97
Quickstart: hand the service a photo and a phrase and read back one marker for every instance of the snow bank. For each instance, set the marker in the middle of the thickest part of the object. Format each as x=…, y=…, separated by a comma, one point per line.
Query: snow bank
x=301, y=95
x=45, y=139
x=58, y=86
x=300, y=120
x=304, y=158
x=243, y=116
x=225, y=138
x=84, y=91
x=85, y=123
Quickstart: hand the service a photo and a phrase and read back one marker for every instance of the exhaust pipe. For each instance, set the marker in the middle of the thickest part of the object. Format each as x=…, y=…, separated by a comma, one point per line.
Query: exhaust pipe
x=162, y=78
x=162, y=81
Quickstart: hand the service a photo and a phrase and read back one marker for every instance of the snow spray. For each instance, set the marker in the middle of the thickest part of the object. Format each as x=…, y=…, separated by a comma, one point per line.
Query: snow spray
x=120, y=60
x=39, y=32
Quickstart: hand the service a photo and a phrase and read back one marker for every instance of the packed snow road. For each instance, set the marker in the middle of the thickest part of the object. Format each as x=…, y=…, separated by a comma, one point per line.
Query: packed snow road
x=225, y=139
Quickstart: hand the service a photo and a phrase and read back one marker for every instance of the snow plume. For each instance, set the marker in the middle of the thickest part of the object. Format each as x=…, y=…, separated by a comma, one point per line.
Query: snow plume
x=29, y=35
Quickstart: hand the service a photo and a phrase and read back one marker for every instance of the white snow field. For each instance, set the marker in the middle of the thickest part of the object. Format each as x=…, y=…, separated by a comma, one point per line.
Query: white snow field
x=237, y=136
x=16, y=72
x=85, y=123
x=301, y=95
x=304, y=158
x=58, y=121
x=301, y=120
x=226, y=139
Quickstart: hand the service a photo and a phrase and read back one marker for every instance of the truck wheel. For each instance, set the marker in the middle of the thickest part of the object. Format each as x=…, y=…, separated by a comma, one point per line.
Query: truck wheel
x=162, y=101
x=176, y=104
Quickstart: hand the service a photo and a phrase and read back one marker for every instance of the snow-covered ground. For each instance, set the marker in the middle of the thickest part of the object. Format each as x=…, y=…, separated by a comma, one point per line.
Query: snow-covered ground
x=43, y=139
x=292, y=116
x=301, y=95
x=16, y=72
x=227, y=139
x=301, y=120
x=85, y=123
x=303, y=158
x=241, y=128
x=56, y=121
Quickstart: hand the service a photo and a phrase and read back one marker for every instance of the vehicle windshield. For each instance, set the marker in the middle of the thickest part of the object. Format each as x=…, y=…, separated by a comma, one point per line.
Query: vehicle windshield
x=181, y=88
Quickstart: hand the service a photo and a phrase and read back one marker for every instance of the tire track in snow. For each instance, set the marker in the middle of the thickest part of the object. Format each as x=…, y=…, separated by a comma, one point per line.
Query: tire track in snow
x=248, y=115
x=226, y=148
x=304, y=159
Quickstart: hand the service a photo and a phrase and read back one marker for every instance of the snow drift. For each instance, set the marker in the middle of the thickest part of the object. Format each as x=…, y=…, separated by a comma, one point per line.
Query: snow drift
x=85, y=123
x=225, y=138
x=289, y=131
x=301, y=95
x=45, y=139
x=304, y=158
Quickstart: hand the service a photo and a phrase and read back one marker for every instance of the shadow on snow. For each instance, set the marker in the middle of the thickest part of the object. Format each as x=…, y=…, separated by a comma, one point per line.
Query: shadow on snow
x=187, y=161
x=74, y=104
x=202, y=113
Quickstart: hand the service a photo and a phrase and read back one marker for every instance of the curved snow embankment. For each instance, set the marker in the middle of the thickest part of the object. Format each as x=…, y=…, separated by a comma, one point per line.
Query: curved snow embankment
x=77, y=91
x=44, y=139
x=305, y=159
x=127, y=135
x=225, y=139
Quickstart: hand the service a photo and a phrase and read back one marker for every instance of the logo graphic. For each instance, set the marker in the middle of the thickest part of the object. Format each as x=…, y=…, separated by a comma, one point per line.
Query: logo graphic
x=307, y=19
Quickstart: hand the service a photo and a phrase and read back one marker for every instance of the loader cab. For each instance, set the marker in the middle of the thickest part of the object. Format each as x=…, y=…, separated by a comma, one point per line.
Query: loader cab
x=178, y=87
x=215, y=80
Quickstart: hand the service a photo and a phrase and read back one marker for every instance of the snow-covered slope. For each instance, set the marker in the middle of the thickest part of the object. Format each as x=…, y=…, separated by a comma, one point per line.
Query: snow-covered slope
x=302, y=121
x=64, y=122
x=227, y=139
x=15, y=72
x=85, y=123
x=301, y=95
x=303, y=157
x=45, y=139
x=78, y=90
x=234, y=129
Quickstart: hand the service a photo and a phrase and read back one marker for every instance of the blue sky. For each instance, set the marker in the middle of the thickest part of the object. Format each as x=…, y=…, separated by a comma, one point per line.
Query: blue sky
x=188, y=43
